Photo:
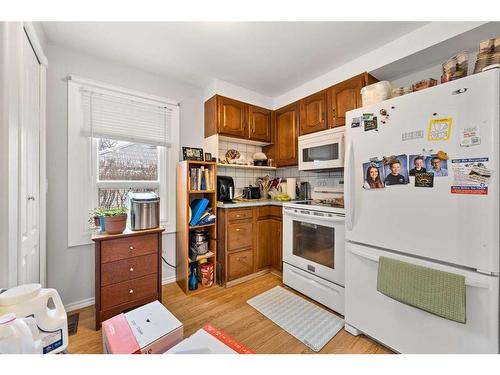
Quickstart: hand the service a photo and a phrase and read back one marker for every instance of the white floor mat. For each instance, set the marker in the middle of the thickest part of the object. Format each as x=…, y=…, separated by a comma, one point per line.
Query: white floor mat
x=302, y=319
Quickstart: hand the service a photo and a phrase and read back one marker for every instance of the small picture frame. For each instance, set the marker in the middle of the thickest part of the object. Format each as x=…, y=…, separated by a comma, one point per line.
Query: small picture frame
x=208, y=156
x=192, y=153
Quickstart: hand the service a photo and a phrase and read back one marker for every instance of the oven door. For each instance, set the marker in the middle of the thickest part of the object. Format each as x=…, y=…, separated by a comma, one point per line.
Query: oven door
x=315, y=243
x=319, y=151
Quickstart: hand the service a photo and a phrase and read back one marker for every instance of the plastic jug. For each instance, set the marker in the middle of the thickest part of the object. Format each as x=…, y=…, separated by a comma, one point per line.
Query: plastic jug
x=46, y=308
x=19, y=336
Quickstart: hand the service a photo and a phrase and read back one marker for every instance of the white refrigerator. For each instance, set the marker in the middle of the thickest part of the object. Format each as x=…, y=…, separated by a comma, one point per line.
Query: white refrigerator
x=446, y=220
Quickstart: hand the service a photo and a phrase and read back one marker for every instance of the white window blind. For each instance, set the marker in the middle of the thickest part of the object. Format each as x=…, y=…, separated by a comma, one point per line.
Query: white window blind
x=126, y=118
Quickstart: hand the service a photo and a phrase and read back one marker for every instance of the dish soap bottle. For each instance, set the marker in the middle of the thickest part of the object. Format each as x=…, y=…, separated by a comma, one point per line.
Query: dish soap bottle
x=193, y=277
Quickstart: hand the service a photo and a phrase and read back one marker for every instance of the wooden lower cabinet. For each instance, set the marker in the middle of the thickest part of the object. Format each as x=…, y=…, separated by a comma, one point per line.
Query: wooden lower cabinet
x=127, y=271
x=239, y=264
x=249, y=241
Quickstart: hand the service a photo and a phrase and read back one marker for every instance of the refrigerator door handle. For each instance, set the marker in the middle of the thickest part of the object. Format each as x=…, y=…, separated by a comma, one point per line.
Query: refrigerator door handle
x=349, y=186
x=468, y=281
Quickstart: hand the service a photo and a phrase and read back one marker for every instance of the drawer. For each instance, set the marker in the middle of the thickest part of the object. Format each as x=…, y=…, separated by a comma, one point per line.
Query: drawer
x=239, y=264
x=122, y=248
x=327, y=293
x=128, y=291
x=407, y=329
x=128, y=269
x=234, y=214
x=265, y=211
x=239, y=235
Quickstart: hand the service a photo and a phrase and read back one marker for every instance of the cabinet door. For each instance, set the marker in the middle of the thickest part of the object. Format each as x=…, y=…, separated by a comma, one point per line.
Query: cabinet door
x=259, y=120
x=264, y=244
x=345, y=96
x=286, y=134
x=312, y=113
x=232, y=117
x=277, y=240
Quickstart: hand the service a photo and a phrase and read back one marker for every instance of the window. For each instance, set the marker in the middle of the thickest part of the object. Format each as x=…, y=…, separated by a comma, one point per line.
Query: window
x=125, y=166
x=118, y=141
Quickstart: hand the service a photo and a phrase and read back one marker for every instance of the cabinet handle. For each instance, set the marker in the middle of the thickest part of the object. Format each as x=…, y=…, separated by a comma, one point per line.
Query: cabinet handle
x=131, y=291
x=131, y=247
x=334, y=112
x=131, y=269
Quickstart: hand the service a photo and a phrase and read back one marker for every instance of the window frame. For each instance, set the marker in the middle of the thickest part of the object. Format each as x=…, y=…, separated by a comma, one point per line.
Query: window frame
x=82, y=193
x=160, y=184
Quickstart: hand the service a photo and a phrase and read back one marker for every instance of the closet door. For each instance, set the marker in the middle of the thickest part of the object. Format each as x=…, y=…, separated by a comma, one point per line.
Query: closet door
x=29, y=169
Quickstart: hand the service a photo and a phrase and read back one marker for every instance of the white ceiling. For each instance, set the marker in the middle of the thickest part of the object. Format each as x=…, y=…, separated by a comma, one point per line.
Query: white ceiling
x=267, y=57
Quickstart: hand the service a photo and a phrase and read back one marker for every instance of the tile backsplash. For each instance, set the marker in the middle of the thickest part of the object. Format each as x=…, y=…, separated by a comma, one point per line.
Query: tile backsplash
x=331, y=178
x=246, y=177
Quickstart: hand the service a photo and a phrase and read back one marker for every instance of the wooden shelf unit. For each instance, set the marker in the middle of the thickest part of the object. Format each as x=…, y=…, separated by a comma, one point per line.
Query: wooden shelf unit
x=184, y=198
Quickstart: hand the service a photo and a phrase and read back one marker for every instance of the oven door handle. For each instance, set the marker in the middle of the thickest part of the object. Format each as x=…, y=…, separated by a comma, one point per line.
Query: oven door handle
x=307, y=216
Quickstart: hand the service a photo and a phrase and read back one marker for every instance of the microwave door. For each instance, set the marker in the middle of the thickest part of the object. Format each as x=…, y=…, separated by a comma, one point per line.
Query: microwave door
x=322, y=153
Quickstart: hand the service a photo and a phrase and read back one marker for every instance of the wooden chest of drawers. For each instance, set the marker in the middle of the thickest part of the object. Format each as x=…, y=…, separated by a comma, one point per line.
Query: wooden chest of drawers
x=127, y=271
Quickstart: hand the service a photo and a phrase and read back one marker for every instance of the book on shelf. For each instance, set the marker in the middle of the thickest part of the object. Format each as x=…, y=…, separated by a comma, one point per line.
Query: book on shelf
x=201, y=178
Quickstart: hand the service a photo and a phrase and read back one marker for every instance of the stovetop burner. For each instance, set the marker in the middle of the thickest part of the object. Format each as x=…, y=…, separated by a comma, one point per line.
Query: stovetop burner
x=334, y=202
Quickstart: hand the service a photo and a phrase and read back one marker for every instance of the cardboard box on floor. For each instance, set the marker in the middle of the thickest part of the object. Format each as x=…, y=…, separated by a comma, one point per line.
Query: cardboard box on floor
x=149, y=329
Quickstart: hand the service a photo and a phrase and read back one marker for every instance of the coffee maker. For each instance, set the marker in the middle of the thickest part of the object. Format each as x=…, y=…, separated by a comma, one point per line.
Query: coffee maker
x=225, y=189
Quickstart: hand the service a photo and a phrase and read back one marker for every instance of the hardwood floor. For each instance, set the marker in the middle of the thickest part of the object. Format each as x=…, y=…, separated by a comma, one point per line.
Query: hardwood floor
x=227, y=310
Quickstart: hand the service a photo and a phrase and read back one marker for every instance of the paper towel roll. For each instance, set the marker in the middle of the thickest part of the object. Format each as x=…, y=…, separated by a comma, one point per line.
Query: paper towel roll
x=290, y=187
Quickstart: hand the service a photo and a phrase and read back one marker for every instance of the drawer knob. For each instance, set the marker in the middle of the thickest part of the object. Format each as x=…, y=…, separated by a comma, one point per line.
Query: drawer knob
x=131, y=269
x=238, y=215
x=238, y=229
x=131, y=291
x=131, y=247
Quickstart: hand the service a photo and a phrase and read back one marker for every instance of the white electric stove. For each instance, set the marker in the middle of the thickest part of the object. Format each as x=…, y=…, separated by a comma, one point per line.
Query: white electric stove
x=314, y=247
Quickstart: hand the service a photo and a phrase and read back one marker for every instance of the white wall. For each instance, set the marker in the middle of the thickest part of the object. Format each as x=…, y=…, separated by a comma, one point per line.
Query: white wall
x=229, y=90
x=71, y=270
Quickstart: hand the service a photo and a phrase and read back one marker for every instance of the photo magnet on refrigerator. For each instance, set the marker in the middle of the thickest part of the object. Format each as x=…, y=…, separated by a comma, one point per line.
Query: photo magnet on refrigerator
x=439, y=129
x=370, y=122
x=356, y=122
x=373, y=173
x=424, y=179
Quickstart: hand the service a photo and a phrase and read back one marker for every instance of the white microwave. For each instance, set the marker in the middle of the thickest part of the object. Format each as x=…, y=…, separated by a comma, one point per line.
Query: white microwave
x=322, y=150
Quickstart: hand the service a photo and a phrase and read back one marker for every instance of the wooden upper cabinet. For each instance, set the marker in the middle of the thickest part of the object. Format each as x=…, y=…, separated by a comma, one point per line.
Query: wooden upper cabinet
x=312, y=113
x=259, y=120
x=232, y=117
x=345, y=96
x=286, y=135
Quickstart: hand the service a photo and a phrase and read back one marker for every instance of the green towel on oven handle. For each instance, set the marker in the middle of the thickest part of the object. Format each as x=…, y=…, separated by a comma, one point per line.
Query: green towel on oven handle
x=438, y=292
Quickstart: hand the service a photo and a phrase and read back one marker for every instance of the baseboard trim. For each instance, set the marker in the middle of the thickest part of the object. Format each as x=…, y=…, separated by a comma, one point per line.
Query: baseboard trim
x=90, y=301
x=168, y=280
x=79, y=304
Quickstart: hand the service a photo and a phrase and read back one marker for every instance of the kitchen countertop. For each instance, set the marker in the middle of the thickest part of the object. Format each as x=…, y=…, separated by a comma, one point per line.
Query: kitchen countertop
x=250, y=203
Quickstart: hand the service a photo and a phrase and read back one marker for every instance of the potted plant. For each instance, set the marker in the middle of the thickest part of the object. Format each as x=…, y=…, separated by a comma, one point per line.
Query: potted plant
x=96, y=218
x=115, y=220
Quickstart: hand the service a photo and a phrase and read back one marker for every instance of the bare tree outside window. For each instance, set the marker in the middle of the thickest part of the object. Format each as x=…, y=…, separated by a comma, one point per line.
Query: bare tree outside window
x=125, y=161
